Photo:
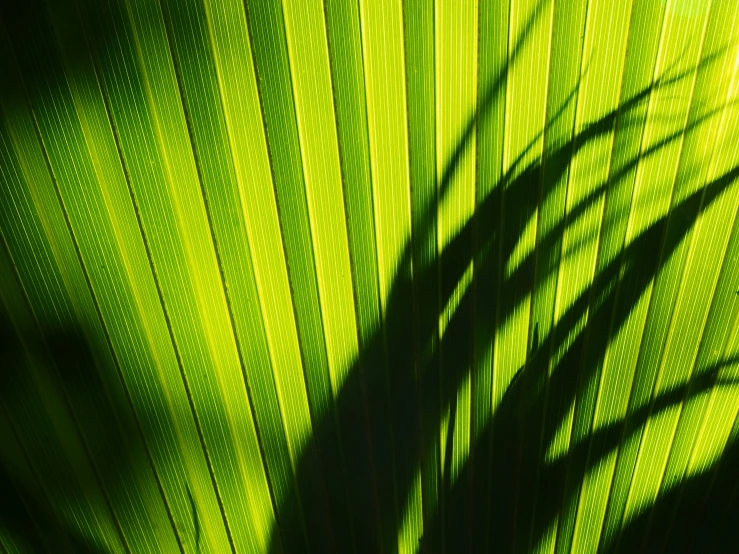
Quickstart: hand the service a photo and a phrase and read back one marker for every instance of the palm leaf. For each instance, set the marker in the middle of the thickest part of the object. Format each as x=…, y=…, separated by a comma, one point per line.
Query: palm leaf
x=368, y=276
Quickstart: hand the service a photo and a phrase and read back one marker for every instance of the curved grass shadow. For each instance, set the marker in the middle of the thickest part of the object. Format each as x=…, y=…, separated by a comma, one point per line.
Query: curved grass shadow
x=699, y=515
x=375, y=436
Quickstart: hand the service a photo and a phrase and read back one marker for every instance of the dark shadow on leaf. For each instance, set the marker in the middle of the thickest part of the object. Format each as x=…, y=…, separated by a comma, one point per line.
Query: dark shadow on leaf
x=699, y=515
x=506, y=493
x=30, y=522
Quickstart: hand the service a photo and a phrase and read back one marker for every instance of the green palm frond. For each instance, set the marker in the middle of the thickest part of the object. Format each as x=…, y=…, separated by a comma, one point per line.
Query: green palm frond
x=376, y=276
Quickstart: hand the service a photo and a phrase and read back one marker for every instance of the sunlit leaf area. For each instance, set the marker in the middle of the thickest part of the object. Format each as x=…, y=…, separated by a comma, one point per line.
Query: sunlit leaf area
x=369, y=276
